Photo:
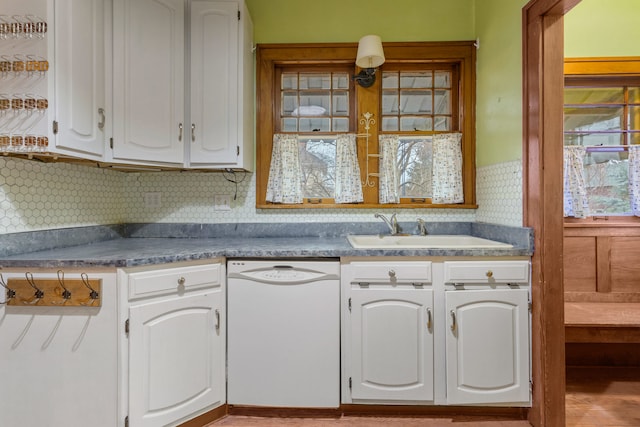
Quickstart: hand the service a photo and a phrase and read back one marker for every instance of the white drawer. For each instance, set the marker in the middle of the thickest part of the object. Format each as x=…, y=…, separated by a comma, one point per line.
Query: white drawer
x=486, y=272
x=168, y=280
x=385, y=272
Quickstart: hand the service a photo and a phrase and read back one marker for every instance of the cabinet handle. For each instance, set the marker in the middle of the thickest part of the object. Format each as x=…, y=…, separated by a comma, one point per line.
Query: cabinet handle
x=453, y=321
x=193, y=132
x=217, y=319
x=180, y=132
x=102, y=118
x=392, y=273
x=429, y=318
x=489, y=274
x=181, y=281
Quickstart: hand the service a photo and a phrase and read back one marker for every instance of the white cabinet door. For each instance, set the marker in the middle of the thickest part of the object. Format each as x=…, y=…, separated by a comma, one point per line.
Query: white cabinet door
x=176, y=358
x=149, y=81
x=80, y=85
x=487, y=346
x=214, y=81
x=391, y=344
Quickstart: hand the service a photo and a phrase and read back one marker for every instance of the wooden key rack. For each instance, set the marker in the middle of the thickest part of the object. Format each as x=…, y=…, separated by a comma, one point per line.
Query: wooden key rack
x=83, y=292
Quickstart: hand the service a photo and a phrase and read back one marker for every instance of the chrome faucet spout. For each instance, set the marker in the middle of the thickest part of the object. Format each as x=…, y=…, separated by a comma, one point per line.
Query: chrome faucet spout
x=391, y=222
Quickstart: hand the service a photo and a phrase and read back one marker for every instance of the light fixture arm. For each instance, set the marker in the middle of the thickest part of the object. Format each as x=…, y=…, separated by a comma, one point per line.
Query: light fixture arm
x=366, y=77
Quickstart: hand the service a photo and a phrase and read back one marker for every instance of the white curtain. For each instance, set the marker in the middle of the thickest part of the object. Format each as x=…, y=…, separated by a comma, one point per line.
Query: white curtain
x=389, y=179
x=348, y=184
x=285, y=172
x=447, y=169
x=576, y=203
x=634, y=179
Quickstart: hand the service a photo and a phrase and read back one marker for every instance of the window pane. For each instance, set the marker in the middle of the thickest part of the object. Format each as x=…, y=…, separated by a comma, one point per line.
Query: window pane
x=412, y=102
x=315, y=81
x=390, y=102
x=593, y=139
x=318, y=161
x=442, y=102
x=315, y=125
x=341, y=81
x=314, y=104
x=289, y=81
x=442, y=79
x=418, y=80
x=408, y=123
x=389, y=124
x=414, y=168
x=589, y=119
x=442, y=124
x=289, y=103
x=289, y=125
x=634, y=138
x=634, y=118
x=340, y=125
x=634, y=95
x=390, y=80
x=607, y=183
x=594, y=95
x=341, y=103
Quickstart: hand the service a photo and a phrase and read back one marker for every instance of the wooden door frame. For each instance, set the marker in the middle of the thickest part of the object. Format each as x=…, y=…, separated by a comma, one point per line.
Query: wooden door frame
x=543, y=84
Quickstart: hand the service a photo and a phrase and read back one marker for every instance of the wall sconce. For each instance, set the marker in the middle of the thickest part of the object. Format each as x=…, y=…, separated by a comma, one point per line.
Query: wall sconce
x=370, y=56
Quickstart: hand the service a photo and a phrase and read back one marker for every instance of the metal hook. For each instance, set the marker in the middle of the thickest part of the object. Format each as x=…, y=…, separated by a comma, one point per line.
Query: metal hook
x=10, y=292
x=39, y=294
x=93, y=294
x=66, y=294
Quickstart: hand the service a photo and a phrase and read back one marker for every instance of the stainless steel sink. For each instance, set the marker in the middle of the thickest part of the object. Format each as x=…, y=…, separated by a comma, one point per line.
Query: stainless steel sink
x=442, y=241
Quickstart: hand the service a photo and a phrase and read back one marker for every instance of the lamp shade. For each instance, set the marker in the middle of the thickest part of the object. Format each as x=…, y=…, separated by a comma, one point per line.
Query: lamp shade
x=370, y=53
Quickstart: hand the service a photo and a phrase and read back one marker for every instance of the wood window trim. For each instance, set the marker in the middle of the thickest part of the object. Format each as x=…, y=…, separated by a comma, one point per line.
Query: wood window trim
x=270, y=56
x=591, y=71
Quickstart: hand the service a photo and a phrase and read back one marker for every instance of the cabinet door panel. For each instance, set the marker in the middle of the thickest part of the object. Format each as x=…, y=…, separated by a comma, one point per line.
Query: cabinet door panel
x=176, y=363
x=80, y=85
x=487, y=346
x=149, y=80
x=392, y=346
x=214, y=81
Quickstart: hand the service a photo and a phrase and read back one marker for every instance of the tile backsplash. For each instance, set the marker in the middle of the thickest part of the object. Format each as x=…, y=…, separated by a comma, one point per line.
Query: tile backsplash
x=38, y=196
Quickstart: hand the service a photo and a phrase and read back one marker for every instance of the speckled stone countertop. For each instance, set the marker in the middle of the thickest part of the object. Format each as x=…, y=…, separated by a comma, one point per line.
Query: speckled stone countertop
x=138, y=244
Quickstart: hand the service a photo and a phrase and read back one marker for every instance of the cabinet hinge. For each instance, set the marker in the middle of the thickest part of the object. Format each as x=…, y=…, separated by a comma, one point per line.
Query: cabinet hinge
x=349, y=304
x=111, y=143
x=238, y=15
x=350, y=383
x=126, y=421
x=126, y=327
x=55, y=127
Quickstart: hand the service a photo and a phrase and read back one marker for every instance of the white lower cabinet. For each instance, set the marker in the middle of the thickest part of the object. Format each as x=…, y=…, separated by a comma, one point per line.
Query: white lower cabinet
x=173, y=342
x=435, y=332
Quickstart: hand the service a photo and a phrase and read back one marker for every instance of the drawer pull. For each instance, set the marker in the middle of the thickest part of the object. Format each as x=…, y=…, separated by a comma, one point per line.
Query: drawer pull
x=428, y=318
x=217, y=319
x=454, y=324
x=392, y=273
x=489, y=274
x=181, y=281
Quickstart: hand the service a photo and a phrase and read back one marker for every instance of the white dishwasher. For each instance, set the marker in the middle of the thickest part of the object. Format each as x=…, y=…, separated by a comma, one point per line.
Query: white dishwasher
x=283, y=333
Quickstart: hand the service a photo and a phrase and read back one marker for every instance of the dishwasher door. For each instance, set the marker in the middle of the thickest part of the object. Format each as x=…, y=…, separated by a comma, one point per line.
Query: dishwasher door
x=283, y=333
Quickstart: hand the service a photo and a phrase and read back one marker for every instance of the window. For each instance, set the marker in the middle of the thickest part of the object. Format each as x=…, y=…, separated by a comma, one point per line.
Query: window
x=422, y=89
x=602, y=114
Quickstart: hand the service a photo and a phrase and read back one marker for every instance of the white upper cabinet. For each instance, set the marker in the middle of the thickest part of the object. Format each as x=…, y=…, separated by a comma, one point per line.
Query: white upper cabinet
x=148, y=76
x=80, y=86
x=203, y=121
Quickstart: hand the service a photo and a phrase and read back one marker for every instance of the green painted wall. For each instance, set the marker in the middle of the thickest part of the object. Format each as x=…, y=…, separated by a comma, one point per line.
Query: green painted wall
x=603, y=28
x=499, y=81
x=299, y=21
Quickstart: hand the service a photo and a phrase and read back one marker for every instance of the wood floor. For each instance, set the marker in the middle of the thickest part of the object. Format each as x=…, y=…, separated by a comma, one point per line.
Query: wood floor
x=596, y=397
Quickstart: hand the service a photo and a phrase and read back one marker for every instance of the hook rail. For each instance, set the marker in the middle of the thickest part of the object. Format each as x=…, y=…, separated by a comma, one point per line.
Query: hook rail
x=47, y=291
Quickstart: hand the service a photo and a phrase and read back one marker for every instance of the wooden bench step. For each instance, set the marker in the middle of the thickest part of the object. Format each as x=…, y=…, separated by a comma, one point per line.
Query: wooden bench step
x=602, y=322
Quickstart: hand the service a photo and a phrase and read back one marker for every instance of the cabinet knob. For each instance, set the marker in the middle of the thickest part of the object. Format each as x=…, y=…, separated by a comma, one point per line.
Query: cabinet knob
x=392, y=273
x=181, y=281
x=489, y=274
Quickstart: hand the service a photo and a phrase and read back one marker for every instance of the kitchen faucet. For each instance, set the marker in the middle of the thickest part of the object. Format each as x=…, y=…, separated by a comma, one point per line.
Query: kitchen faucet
x=392, y=223
x=422, y=229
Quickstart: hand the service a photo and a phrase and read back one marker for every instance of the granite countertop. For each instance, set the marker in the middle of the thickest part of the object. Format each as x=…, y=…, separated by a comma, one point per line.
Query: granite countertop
x=134, y=245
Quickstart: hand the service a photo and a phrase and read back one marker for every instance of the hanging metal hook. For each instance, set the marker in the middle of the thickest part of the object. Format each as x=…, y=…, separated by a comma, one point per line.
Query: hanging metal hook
x=93, y=294
x=10, y=292
x=66, y=293
x=38, y=295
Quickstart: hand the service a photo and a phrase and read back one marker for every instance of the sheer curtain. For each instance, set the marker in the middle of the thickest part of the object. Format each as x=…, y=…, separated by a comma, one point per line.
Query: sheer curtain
x=634, y=178
x=447, y=169
x=576, y=203
x=348, y=184
x=389, y=179
x=285, y=173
